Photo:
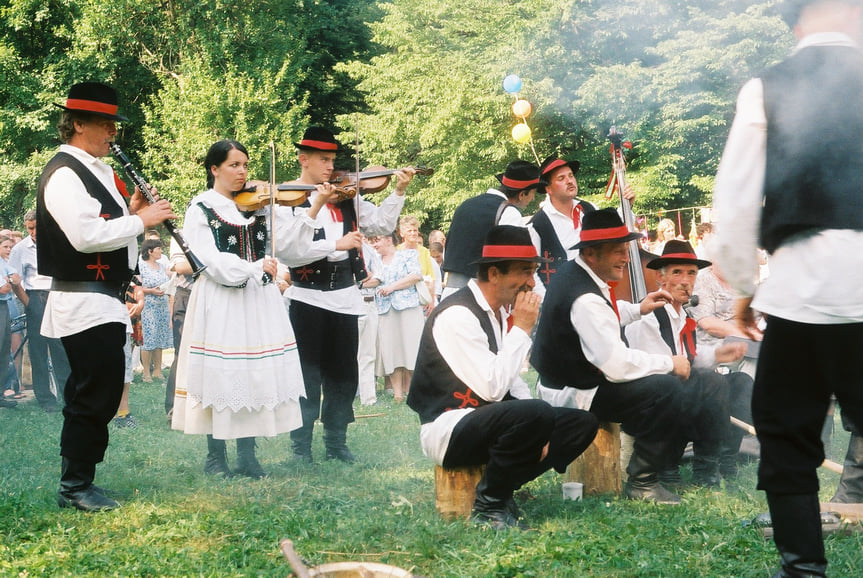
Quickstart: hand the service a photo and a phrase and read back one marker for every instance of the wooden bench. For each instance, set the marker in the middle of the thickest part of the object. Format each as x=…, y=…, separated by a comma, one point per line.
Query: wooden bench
x=599, y=467
x=455, y=490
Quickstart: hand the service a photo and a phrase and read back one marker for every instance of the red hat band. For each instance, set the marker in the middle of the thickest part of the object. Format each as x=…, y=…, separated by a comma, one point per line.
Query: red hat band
x=91, y=106
x=604, y=234
x=509, y=251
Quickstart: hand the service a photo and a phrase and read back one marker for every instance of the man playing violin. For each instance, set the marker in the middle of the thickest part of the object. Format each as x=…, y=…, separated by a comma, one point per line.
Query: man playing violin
x=325, y=299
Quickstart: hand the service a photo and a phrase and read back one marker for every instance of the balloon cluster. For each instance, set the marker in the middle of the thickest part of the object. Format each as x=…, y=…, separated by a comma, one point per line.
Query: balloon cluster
x=521, y=108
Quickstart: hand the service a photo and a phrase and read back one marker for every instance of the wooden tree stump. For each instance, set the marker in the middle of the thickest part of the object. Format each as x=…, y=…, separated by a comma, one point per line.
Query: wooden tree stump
x=455, y=490
x=598, y=468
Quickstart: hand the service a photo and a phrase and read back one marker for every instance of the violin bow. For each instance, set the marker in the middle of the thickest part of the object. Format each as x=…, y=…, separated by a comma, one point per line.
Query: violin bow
x=272, y=200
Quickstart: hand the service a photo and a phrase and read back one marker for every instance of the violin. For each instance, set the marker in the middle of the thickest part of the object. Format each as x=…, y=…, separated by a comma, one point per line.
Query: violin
x=256, y=195
x=371, y=180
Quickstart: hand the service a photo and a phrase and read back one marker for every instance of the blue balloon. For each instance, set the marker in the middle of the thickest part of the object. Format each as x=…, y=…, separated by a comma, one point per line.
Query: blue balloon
x=512, y=83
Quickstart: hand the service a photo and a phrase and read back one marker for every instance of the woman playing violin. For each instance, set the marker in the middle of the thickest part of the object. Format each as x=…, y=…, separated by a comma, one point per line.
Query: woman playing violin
x=238, y=372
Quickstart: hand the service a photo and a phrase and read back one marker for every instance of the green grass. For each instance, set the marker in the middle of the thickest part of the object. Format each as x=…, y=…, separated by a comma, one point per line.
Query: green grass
x=176, y=521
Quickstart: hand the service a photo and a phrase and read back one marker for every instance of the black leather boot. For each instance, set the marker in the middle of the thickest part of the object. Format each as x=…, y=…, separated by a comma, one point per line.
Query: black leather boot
x=492, y=511
x=335, y=442
x=797, y=534
x=643, y=483
x=217, y=458
x=850, y=490
x=301, y=443
x=77, y=490
x=247, y=462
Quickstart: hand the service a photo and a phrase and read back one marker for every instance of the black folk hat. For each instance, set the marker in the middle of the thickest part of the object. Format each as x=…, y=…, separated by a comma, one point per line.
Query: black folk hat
x=318, y=138
x=93, y=98
x=509, y=243
x=677, y=253
x=551, y=164
x=520, y=176
x=603, y=226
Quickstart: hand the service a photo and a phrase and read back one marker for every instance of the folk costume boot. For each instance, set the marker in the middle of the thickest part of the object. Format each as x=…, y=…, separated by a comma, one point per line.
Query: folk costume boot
x=335, y=442
x=77, y=489
x=217, y=458
x=301, y=443
x=247, y=462
x=850, y=490
x=643, y=483
x=705, y=464
x=493, y=511
x=797, y=534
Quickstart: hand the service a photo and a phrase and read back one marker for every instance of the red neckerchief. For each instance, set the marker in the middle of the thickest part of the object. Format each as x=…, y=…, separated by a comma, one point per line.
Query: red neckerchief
x=121, y=186
x=611, y=286
x=335, y=213
x=687, y=338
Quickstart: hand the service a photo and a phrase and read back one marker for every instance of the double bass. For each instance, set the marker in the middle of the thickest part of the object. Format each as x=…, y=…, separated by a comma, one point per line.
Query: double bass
x=640, y=280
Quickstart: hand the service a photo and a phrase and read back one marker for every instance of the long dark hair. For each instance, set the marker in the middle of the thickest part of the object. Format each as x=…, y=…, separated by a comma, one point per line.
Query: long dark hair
x=217, y=154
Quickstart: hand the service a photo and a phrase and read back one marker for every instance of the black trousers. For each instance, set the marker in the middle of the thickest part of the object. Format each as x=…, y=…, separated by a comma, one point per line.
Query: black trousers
x=508, y=438
x=178, y=317
x=5, y=344
x=93, y=390
x=327, y=343
x=651, y=409
x=799, y=367
x=40, y=347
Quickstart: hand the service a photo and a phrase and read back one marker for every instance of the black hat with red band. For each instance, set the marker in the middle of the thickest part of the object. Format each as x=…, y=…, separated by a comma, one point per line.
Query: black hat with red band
x=317, y=138
x=603, y=226
x=520, y=176
x=93, y=98
x=509, y=243
x=677, y=253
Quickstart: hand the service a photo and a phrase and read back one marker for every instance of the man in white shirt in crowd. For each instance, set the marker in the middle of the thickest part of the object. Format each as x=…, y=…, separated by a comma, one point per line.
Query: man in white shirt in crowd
x=789, y=181
x=88, y=245
x=37, y=287
x=473, y=405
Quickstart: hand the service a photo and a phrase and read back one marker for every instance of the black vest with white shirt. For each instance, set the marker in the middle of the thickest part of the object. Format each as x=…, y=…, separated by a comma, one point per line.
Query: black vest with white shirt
x=56, y=256
x=814, y=175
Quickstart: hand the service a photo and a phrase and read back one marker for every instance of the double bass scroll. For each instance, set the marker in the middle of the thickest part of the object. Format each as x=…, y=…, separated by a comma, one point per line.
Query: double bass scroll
x=638, y=258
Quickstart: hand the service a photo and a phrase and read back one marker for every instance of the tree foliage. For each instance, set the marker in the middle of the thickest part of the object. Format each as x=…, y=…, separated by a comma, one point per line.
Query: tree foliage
x=419, y=81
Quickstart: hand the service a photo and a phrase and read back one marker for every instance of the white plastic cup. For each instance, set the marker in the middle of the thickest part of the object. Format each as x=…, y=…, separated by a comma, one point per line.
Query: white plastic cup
x=573, y=491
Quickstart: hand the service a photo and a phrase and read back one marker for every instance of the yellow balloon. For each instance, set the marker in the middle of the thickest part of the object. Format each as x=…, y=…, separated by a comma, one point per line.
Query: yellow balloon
x=521, y=108
x=521, y=133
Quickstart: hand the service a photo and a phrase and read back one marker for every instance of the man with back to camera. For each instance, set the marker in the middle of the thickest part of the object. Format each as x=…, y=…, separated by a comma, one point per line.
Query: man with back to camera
x=789, y=181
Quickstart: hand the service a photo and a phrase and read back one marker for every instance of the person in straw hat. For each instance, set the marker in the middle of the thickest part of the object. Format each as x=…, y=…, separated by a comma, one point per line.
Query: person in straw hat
x=88, y=243
x=583, y=360
x=472, y=403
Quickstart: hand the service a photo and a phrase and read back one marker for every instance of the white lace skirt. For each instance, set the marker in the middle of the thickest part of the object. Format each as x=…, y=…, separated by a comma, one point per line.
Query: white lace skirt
x=238, y=371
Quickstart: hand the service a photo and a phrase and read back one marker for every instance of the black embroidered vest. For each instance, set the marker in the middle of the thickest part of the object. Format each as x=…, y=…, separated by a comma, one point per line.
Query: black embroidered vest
x=557, y=355
x=434, y=387
x=56, y=256
x=326, y=275
x=814, y=173
x=248, y=242
x=550, y=246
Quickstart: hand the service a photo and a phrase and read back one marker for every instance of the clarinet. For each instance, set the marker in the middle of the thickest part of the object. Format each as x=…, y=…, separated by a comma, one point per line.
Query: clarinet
x=144, y=187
